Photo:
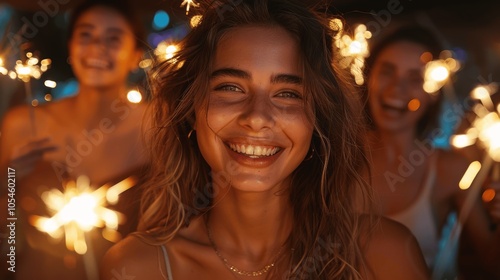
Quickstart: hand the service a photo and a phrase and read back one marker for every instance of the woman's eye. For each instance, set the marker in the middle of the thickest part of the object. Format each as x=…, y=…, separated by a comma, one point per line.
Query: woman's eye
x=416, y=81
x=113, y=40
x=228, y=88
x=84, y=36
x=289, y=94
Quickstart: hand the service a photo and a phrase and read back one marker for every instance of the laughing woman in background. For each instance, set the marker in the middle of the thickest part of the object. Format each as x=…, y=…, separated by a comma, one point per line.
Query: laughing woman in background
x=96, y=133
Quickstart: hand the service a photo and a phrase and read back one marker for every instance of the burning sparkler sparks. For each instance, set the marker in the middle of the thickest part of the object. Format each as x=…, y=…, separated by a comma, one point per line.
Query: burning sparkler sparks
x=353, y=50
x=79, y=209
x=437, y=72
x=484, y=131
x=166, y=51
x=485, y=128
x=188, y=4
x=31, y=68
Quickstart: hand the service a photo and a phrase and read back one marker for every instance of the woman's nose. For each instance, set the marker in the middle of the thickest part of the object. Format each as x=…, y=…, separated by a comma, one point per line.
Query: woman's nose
x=258, y=113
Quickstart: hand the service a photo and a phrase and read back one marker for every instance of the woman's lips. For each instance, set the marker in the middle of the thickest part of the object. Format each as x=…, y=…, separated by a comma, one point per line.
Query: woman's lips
x=97, y=63
x=254, y=150
x=252, y=155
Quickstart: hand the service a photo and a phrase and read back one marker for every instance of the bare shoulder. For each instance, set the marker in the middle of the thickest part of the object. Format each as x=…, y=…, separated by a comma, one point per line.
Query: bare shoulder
x=130, y=258
x=19, y=116
x=15, y=116
x=391, y=251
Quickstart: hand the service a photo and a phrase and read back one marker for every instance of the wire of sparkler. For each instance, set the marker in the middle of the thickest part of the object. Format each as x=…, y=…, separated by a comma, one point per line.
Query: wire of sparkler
x=452, y=242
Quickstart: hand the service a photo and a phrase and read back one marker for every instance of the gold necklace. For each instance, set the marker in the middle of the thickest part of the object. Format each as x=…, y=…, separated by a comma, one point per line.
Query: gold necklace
x=233, y=268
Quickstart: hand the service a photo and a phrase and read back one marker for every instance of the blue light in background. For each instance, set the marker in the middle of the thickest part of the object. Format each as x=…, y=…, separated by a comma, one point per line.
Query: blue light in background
x=65, y=89
x=174, y=34
x=160, y=20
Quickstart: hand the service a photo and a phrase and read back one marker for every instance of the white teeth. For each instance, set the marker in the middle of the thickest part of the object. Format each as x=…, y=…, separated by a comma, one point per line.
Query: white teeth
x=97, y=63
x=396, y=103
x=254, y=150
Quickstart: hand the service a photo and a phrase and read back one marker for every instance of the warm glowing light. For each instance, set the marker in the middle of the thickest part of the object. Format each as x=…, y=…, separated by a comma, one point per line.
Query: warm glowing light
x=145, y=63
x=195, y=20
x=413, y=105
x=438, y=72
x=353, y=50
x=31, y=68
x=78, y=209
x=134, y=96
x=336, y=25
x=189, y=3
x=469, y=175
x=483, y=93
x=113, y=192
x=170, y=51
x=489, y=134
x=48, y=97
x=485, y=128
x=34, y=102
x=50, y=84
x=166, y=51
x=3, y=70
x=462, y=140
x=488, y=195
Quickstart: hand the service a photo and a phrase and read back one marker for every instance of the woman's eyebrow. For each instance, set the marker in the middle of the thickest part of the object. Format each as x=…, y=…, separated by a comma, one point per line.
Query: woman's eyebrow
x=232, y=72
x=275, y=79
x=286, y=79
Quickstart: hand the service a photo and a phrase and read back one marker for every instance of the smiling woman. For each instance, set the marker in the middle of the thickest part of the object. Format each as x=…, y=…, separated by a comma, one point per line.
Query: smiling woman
x=96, y=134
x=256, y=116
x=257, y=151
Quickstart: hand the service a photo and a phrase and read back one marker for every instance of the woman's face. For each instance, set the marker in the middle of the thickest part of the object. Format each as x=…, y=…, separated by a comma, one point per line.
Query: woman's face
x=103, y=48
x=254, y=129
x=396, y=96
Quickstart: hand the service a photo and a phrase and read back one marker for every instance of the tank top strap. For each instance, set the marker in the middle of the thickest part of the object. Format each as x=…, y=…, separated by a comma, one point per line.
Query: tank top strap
x=167, y=262
x=430, y=178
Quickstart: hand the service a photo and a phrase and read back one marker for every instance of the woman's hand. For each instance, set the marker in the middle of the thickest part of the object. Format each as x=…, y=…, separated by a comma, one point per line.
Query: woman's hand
x=491, y=199
x=25, y=157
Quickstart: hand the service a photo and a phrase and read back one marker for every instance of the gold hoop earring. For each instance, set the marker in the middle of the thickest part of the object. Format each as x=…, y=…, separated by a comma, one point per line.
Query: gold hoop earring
x=190, y=133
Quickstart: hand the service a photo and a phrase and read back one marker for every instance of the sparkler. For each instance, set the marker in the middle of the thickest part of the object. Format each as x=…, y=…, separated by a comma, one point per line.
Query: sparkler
x=79, y=209
x=188, y=4
x=353, y=50
x=165, y=51
x=484, y=131
x=31, y=68
x=437, y=72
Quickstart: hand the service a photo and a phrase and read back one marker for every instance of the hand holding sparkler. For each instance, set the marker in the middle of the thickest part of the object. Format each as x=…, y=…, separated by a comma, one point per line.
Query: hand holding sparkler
x=24, y=157
x=491, y=196
x=79, y=209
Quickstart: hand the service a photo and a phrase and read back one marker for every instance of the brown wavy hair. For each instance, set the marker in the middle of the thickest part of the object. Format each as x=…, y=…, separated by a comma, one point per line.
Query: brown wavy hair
x=322, y=189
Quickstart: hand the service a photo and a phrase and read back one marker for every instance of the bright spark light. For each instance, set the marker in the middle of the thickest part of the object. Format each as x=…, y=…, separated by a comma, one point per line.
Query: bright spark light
x=79, y=209
x=134, y=96
x=195, y=20
x=485, y=129
x=166, y=51
x=31, y=68
x=188, y=4
x=3, y=70
x=353, y=50
x=437, y=72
